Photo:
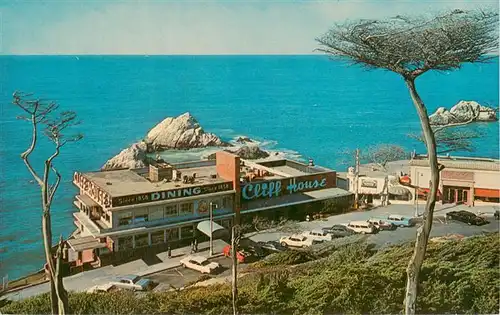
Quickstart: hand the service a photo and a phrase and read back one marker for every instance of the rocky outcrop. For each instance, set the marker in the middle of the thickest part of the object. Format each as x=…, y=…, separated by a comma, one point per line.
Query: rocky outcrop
x=252, y=152
x=182, y=132
x=132, y=157
x=463, y=111
x=244, y=140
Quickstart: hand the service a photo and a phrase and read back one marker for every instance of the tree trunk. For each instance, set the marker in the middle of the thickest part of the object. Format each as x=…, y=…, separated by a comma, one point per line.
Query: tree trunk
x=47, y=244
x=417, y=259
x=234, y=250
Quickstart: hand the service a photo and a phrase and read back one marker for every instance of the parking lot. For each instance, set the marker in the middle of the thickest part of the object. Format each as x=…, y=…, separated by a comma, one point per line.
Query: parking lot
x=179, y=277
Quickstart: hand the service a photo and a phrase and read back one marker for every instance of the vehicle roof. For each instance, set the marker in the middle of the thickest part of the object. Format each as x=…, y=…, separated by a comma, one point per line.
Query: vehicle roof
x=317, y=231
x=299, y=236
x=395, y=216
x=198, y=259
x=358, y=222
x=128, y=277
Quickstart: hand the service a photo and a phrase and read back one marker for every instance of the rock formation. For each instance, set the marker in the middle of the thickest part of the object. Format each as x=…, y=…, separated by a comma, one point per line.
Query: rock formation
x=463, y=111
x=132, y=157
x=244, y=140
x=182, y=132
x=251, y=152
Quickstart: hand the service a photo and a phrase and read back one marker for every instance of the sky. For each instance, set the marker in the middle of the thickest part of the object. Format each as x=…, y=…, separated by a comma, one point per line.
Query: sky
x=67, y=27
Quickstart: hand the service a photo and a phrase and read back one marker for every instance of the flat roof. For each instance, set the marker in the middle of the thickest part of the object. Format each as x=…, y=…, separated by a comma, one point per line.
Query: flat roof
x=82, y=243
x=128, y=182
x=458, y=162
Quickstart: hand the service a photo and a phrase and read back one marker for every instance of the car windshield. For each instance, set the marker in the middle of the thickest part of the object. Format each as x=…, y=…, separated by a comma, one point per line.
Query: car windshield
x=204, y=263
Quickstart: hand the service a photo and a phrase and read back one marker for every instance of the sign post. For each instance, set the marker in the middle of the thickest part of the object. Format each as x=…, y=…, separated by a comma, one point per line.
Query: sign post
x=211, y=253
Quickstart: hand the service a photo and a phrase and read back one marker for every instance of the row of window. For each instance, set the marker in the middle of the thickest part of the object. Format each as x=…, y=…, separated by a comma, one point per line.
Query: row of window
x=162, y=236
x=168, y=211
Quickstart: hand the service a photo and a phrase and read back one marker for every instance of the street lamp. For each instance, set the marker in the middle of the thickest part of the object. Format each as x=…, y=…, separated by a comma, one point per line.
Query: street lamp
x=212, y=206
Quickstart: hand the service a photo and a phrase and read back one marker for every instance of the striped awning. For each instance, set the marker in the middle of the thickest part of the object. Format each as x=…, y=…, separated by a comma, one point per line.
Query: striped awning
x=398, y=190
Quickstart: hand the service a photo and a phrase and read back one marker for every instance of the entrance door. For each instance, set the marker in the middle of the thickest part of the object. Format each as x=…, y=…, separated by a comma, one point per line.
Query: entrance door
x=457, y=195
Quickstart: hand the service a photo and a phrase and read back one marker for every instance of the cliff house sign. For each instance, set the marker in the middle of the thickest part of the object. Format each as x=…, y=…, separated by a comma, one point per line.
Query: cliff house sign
x=287, y=186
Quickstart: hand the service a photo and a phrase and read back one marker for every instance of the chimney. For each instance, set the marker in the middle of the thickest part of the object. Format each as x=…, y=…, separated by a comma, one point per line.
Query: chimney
x=159, y=171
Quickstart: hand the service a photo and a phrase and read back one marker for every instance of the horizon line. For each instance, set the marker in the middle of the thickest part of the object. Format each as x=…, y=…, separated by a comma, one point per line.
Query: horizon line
x=156, y=54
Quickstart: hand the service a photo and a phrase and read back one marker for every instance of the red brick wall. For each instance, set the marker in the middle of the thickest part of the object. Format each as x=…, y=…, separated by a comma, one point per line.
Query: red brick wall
x=228, y=168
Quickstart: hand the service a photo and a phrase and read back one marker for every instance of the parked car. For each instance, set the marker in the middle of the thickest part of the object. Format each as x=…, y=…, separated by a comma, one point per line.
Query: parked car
x=466, y=217
x=133, y=282
x=200, y=264
x=102, y=288
x=338, y=230
x=297, y=241
x=318, y=235
x=399, y=220
x=272, y=246
x=362, y=227
x=382, y=225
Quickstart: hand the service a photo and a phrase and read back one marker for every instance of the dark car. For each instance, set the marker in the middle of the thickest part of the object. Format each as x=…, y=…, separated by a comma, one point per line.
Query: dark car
x=466, y=217
x=339, y=231
x=272, y=246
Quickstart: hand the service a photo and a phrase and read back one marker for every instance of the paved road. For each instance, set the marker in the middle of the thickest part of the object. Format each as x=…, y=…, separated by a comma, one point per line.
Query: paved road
x=178, y=277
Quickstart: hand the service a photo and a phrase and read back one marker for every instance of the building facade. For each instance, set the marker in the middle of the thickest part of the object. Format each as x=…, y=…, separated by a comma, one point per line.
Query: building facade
x=462, y=181
x=162, y=205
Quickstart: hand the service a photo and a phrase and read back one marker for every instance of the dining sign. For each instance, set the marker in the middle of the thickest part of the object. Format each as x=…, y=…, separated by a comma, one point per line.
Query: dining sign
x=287, y=186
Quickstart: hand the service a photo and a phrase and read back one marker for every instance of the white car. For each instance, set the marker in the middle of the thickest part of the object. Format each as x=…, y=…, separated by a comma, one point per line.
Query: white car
x=101, y=288
x=318, y=235
x=132, y=282
x=297, y=241
x=200, y=264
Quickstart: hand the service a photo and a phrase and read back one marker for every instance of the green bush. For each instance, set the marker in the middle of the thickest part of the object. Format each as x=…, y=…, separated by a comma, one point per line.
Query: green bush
x=457, y=277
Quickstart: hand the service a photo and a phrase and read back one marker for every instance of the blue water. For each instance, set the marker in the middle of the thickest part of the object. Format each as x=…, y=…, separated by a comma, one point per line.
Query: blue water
x=308, y=104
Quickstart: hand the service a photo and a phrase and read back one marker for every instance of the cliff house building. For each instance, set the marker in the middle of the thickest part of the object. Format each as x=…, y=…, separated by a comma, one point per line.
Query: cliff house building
x=168, y=205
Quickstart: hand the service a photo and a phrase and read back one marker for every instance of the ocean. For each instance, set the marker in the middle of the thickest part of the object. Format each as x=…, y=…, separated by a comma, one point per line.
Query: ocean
x=305, y=106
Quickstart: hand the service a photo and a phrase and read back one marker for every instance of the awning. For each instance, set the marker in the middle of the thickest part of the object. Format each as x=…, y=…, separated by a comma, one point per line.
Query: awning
x=398, y=190
x=425, y=191
x=83, y=243
x=217, y=230
x=294, y=199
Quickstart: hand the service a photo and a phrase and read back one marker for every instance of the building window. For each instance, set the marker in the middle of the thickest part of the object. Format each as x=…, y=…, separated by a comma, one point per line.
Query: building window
x=125, y=243
x=226, y=224
x=155, y=213
x=125, y=218
x=227, y=202
x=141, y=240
x=157, y=237
x=215, y=204
x=187, y=231
x=171, y=211
x=186, y=209
x=173, y=234
x=141, y=215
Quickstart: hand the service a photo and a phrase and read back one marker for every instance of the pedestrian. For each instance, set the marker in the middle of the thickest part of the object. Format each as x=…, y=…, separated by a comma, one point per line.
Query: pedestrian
x=169, y=252
x=195, y=245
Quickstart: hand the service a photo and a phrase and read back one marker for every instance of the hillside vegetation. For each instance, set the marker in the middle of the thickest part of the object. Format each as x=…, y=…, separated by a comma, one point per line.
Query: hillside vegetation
x=457, y=277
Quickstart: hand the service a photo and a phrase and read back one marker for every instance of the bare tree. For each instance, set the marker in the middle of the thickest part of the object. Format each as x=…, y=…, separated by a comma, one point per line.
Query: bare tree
x=380, y=155
x=410, y=47
x=235, y=242
x=39, y=112
x=452, y=140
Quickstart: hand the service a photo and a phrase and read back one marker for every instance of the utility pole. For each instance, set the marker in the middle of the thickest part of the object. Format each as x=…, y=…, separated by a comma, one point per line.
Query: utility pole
x=416, y=193
x=211, y=253
x=235, y=239
x=356, y=180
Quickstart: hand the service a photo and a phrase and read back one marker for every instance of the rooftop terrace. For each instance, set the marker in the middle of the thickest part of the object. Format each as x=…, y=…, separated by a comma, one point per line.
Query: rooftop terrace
x=129, y=182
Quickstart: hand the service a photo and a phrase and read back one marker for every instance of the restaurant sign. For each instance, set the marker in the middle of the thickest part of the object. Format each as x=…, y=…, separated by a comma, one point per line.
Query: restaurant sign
x=171, y=194
x=287, y=186
x=92, y=190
